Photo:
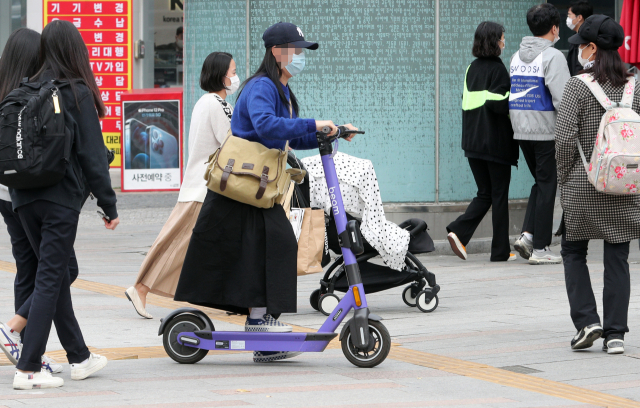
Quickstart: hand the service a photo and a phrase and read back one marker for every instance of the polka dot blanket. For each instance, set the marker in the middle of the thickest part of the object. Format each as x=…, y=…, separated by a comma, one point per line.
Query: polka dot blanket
x=361, y=198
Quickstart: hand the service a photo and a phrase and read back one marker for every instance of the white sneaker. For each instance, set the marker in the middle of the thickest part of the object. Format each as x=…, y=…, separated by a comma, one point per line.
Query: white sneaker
x=10, y=343
x=524, y=246
x=266, y=324
x=50, y=365
x=132, y=295
x=43, y=379
x=94, y=363
x=543, y=257
x=512, y=257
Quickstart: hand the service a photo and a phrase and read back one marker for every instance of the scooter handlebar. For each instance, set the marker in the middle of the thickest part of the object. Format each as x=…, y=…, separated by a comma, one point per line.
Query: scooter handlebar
x=343, y=132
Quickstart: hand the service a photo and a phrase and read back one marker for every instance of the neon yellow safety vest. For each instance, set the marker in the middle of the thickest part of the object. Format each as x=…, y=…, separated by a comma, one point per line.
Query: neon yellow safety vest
x=475, y=99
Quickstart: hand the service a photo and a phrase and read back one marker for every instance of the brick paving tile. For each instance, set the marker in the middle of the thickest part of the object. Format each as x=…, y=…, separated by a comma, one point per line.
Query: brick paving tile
x=308, y=388
x=438, y=403
x=615, y=385
x=56, y=395
x=229, y=375
x=200, y=404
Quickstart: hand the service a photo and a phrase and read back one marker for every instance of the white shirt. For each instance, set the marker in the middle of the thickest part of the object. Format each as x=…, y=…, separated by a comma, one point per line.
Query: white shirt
x=208, y=129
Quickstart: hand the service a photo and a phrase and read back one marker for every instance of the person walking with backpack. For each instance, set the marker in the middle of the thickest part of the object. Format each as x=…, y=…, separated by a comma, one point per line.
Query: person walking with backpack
x=584, y=126
x=487, y=141
x=539, y=73
x=211, y=120
x=20, y=59
x=49, y=214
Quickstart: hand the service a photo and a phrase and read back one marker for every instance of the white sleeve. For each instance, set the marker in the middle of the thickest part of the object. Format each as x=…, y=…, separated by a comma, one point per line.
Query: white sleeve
x=220, y=123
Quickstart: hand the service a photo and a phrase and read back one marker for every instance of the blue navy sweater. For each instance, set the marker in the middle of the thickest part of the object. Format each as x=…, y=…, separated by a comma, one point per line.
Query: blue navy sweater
x=260, y=116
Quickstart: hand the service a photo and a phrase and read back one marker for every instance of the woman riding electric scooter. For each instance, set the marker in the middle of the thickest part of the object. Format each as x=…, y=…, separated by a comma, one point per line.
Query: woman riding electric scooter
x=243, y=258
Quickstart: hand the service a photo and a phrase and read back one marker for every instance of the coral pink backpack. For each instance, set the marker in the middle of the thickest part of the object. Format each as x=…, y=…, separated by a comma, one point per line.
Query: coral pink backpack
x=614, y=166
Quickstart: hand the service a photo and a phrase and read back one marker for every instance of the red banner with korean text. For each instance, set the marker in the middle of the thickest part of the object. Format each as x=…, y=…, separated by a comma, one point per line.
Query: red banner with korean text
x=630, y=22
x=106, y=27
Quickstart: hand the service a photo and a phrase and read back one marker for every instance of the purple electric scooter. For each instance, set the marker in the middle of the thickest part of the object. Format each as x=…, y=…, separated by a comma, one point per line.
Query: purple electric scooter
x=189, y=334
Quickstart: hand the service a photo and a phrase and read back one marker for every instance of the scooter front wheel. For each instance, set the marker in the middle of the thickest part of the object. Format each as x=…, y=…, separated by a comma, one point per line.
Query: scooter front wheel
x=179, y=353
x=377, y=352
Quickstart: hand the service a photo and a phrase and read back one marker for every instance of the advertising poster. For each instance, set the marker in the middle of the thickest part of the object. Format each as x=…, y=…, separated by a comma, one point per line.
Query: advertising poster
x=106, y=27
x=151, y=148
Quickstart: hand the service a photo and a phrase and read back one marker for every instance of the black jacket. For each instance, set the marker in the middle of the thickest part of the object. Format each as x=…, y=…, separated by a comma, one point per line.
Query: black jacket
x=486, y=127
x=572, y=60
x=88, y=169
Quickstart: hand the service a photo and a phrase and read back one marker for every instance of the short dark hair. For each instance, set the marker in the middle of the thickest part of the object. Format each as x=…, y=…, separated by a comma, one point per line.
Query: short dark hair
x=179, y=30
x=581, y=8
x=485, y=40
x=214, y=69
x=542, y=18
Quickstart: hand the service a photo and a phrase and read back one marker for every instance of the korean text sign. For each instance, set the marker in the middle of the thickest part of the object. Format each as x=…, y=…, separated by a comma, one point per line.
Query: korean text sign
x=106, y=27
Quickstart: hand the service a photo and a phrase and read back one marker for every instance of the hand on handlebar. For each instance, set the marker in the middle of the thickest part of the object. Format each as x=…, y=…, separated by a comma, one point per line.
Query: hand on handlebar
x=349, y=126
x=322, y=123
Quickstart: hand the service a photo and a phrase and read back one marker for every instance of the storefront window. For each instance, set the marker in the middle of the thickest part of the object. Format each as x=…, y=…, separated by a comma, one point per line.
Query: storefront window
x=168, y=43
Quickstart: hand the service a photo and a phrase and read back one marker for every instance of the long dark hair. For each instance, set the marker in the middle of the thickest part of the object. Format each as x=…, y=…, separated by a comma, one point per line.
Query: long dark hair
x=20, y=59
x=608, y=66
x=269, y=68
x=485, y=40
x=64, y=53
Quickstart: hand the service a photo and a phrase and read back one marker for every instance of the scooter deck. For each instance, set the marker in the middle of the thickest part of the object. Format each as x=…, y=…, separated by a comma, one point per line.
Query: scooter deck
x=233, y=341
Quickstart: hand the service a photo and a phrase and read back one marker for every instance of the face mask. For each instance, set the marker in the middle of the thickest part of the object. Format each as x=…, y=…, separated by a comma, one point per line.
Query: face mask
x=570, y=23
x=504, y=44
x=179, y=43
x=584, y=61
x=297, y=64
x=555, y=40
x=235, y=84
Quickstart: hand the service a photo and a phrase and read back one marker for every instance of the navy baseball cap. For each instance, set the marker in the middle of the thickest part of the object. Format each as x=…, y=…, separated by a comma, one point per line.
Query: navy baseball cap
x=601, y=30
x=286, y=33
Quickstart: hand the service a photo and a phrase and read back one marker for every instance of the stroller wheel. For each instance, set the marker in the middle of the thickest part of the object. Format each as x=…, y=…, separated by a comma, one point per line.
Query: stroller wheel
x=408, y=298
x=327, y=303
x=314, y=298
x=424, y=304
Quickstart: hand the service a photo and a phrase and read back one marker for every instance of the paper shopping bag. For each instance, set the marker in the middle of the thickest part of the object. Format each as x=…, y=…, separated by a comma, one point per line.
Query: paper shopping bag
x=311, y=242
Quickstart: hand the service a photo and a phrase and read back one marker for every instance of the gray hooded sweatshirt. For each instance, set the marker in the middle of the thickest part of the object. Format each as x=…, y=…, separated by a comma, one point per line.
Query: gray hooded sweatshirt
x=538, y=75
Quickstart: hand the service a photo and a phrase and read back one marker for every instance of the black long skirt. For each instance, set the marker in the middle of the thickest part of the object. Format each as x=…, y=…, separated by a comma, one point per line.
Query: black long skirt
x=240, y=257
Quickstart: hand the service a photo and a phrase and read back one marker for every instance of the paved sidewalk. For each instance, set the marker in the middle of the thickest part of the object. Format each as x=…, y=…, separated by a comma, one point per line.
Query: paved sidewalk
x=499, y=338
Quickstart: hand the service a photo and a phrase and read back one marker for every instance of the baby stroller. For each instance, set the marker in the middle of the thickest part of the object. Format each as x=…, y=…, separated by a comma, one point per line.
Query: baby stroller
x=375, y=277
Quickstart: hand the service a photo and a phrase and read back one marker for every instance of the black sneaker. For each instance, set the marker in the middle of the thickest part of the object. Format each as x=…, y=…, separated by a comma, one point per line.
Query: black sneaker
x=585, y=337
x=613, y=345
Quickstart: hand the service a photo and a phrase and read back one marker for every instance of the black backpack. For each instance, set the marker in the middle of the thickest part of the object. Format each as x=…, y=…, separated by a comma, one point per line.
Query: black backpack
x=35, y=143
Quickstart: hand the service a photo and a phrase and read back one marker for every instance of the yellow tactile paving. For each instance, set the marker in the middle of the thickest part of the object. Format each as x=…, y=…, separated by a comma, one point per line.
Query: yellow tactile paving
x=448, y=364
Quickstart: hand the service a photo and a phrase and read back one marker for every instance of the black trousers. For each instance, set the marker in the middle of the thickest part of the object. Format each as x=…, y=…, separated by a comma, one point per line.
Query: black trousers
x=617, y=286
x=26, y=261
x=493, y=181
x=538, y=220
x=51, y=229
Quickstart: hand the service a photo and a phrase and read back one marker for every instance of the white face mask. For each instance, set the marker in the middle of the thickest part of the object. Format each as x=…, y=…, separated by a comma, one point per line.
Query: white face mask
x=570, y=23
x=504, y=45
x=584, y=61
x=235, y=84
x=179, y=43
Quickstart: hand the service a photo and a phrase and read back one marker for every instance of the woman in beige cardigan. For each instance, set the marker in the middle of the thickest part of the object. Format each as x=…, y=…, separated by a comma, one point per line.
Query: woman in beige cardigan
x=210, y=122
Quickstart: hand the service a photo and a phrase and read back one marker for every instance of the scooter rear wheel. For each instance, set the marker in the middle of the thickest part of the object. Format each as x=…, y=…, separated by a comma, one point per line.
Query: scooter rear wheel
x=379, y=346
x=179, y=353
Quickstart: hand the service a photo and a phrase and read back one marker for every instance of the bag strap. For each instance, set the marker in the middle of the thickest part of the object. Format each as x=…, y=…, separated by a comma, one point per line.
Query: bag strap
x=629, y=92
x=584, y=159
x=225, y=106
x=596, y=90
x=290, y=110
